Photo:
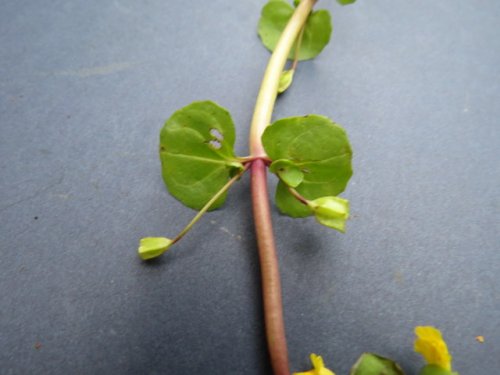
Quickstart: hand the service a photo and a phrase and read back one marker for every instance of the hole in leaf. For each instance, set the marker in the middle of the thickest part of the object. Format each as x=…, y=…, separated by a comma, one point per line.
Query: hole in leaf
x=217, y=134
x=215, y=144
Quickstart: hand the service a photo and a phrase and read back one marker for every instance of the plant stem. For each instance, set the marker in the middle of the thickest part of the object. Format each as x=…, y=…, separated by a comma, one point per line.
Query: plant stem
x=209, y=204
x=250, y=159
x=271, y=286
x=269, y=87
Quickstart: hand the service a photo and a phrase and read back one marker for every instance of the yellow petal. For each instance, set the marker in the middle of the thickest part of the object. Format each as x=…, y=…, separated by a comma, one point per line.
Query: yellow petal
x=325, y=371
x=317, y=361
x=428, y=332
x=430, y=344
x=319, y=367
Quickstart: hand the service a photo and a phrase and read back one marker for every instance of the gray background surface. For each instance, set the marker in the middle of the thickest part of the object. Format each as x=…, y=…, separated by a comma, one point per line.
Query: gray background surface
x=85, y=87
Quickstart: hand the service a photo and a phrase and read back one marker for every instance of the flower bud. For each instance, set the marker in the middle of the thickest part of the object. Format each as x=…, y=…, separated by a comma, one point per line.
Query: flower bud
x=431, y=345
x=288, y=172
x=318, y=367
x=285, y=81
x=152, y=247
x=331, y=211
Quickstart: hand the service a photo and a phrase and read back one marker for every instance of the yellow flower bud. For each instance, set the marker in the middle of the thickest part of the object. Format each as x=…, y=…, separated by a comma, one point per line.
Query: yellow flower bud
x=319, y=367
x=430, y=344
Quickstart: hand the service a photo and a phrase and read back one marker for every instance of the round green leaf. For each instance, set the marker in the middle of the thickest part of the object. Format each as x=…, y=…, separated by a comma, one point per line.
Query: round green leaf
x=274, y=18
x=319, y=148
x=373, y=364
x=196, y=152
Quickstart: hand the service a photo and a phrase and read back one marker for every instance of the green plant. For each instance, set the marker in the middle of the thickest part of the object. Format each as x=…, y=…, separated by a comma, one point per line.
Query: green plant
x=310, y=155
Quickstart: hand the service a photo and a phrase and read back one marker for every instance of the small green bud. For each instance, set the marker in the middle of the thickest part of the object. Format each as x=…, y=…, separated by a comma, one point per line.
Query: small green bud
x=152, y=247
x=436, y=370
x=286, y=79
x=345, y=2
x=288, y=172
x=331, y=211
x=373, y=364
x=236, y=168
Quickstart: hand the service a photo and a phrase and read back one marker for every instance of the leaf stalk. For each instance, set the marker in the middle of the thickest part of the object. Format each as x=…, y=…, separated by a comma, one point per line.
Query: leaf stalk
x=209, y=204
x=299, y=197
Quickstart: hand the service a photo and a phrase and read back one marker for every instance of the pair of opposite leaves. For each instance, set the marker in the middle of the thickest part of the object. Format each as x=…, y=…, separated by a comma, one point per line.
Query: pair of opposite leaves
x=310, y=153
x=317, y=30
x=315, y=36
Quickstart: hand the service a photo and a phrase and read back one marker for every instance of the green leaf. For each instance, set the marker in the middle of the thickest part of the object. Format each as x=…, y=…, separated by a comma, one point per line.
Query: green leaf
x=346, y=2
x=373, y=364
x=152, y=247
x=319, y=148
x=288, y=172
x=436, y=370
x=331, y=211
x=275, y=16
x=196, y=152
x=286, y=79
x=288, y=204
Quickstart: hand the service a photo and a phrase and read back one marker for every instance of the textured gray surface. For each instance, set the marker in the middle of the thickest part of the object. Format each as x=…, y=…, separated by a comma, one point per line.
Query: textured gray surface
x=85, y=87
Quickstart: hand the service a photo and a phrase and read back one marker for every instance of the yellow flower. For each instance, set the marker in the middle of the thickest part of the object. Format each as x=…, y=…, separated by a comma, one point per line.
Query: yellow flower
x=430, y=344
x=319, y=367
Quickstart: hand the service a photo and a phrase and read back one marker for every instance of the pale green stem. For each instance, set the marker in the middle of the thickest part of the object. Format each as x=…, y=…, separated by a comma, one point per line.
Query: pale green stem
x=209, y=204
x=269, y=88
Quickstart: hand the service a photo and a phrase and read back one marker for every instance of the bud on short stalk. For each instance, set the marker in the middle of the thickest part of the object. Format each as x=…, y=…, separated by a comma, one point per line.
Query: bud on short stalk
x=331, y=211
x=152, y=247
